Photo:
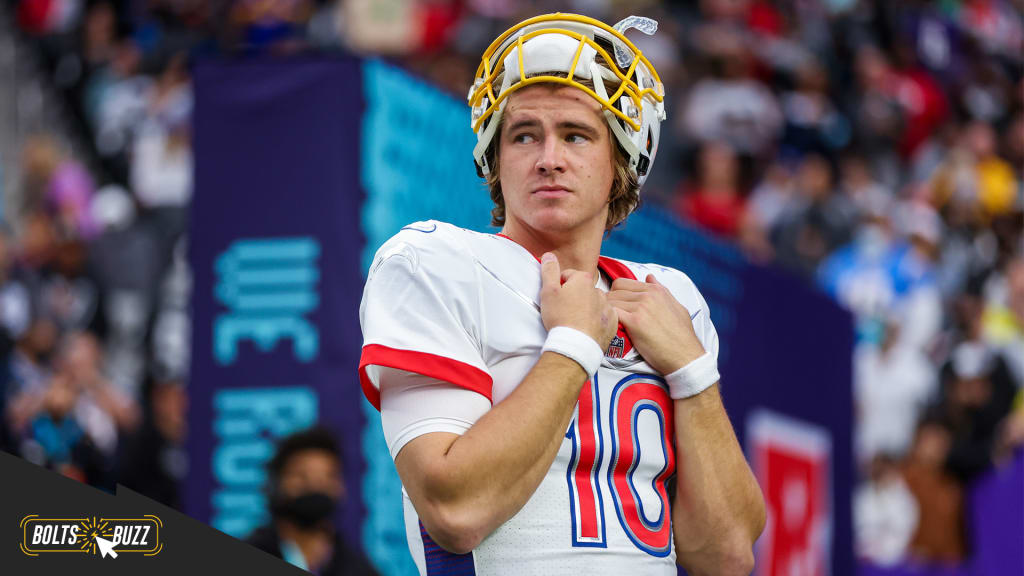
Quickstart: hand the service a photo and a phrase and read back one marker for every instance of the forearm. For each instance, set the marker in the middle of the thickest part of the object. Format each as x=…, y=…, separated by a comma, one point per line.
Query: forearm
x=489, y=473
x=718, y=511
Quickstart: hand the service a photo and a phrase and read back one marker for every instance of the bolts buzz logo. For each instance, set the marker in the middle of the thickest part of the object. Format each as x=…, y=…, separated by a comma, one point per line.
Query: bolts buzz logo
x=91, y=535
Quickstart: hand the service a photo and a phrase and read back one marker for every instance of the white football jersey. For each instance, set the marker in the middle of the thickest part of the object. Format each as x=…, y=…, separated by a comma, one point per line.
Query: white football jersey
x=463, y=307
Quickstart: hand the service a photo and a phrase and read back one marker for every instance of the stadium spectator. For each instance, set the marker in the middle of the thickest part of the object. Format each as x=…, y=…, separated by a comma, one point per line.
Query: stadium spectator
x=305, y=486
x=860, y=274
x=893, y=383
x=714, y=202
x=978, y=393
x=40, y=158
x=161, y=170
x=732, y=106
x=817, y=220
x=1011, y=436
x=55, y=438
x=1002, y=320
x=114, y=103
x=940, y=501
x=885, y=514
x=153, y=460
x=768, y=202
x=125, y=260
x=915, y=277
x=812, y=121
x=28, y=372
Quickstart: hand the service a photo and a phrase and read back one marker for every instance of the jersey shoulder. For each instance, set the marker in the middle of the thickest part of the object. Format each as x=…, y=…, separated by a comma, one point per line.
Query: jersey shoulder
x=436, y=247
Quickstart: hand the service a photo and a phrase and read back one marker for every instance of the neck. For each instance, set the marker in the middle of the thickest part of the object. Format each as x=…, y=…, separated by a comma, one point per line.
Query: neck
x=315, y=543
x=575, y=249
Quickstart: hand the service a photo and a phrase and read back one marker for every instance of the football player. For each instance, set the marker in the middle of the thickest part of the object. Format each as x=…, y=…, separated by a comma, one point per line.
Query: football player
x=538, y=398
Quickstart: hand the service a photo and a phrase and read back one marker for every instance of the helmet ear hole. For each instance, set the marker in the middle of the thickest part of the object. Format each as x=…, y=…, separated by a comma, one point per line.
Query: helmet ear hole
x=643, y=163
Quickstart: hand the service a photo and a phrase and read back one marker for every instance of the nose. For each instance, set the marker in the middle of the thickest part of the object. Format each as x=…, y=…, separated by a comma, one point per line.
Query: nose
x=552, y=157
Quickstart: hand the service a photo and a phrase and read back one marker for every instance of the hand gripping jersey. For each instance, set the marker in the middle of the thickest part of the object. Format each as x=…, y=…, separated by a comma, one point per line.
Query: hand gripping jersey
x=462, y=307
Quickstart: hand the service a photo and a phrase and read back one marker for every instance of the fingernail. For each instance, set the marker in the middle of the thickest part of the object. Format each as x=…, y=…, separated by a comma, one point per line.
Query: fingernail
x=547, y=257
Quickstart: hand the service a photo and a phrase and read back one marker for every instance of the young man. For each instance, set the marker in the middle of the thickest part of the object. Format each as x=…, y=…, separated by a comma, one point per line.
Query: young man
x=537, y=397
x=306, y=486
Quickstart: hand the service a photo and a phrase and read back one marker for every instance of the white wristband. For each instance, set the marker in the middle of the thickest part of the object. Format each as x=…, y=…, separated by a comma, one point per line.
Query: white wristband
x=572, y=343
x=693, y=378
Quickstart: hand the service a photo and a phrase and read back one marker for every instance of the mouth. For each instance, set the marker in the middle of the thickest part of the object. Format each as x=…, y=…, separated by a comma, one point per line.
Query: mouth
x=551, y=191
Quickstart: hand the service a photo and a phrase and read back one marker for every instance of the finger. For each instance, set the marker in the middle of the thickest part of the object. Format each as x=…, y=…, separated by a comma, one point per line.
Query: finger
x=549, y=271
x=626, y=295
x=628, y=284
x=624, y=298
x=626, y=306
x=653, y=281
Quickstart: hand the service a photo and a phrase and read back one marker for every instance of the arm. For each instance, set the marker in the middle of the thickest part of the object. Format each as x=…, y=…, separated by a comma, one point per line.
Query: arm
x=718, y=511
x=464, y=487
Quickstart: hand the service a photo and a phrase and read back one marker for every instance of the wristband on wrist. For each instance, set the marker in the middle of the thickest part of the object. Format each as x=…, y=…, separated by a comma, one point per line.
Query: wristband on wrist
x=576, y=345
x=694, y=378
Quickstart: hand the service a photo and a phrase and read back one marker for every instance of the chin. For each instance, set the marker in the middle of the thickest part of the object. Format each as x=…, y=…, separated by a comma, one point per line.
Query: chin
x=552, y=221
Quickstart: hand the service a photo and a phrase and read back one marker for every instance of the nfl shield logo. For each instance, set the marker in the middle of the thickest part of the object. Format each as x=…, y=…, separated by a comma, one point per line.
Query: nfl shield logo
x=616, y=348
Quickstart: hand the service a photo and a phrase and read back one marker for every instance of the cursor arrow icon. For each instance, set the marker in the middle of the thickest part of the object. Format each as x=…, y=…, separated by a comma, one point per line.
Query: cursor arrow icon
x=106, y=547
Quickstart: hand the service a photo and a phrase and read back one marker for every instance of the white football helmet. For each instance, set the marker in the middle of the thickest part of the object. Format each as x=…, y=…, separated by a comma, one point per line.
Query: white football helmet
x=568, y=44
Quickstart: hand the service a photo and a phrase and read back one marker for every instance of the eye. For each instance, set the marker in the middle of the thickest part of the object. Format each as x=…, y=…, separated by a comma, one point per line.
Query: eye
x=523, y=138
x=576, y=138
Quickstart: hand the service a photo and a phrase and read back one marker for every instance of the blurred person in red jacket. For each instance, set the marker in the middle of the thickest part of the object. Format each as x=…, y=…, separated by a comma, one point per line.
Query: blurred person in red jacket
x=714, y=201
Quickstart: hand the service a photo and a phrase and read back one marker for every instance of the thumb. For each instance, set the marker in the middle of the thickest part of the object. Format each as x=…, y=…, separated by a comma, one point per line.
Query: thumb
x=550, y=272
x=652, y=280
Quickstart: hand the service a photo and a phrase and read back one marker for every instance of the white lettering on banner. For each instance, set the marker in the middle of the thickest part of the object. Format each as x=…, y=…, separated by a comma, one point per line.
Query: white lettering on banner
x=268, y=284
x=246, y=422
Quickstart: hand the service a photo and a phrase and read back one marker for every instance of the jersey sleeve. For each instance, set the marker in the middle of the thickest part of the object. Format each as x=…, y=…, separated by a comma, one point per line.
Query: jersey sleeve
x=420, y=314
x=412, y=405
x=705, y=329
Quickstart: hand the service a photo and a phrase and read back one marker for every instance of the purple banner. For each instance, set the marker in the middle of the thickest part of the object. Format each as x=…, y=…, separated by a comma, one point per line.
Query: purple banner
x=997, y=520
x=787, y=385
x=275, y=249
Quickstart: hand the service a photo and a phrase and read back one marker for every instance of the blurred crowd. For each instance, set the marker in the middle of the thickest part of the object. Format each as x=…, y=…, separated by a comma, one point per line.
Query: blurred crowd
x=875, y=148
x=94, y=280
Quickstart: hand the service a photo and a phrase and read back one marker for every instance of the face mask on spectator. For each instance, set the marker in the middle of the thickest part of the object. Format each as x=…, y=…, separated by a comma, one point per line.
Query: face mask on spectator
x=306, y=510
